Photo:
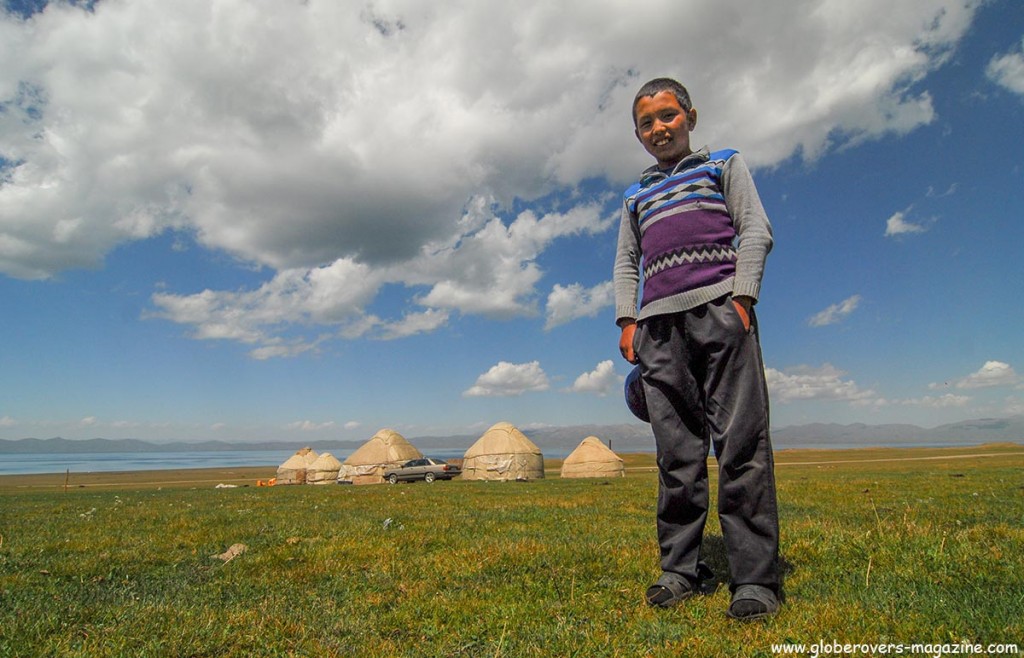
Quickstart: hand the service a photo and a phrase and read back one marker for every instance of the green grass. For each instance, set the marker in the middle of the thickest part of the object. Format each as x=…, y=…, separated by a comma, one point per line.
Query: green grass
x=915, y=551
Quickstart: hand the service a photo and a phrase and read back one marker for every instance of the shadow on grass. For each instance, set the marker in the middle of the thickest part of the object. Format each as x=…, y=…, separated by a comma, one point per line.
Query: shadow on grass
x=714, y=554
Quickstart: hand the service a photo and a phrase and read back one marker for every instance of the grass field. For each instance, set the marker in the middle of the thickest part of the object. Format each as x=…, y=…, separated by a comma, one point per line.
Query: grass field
x=897, y=546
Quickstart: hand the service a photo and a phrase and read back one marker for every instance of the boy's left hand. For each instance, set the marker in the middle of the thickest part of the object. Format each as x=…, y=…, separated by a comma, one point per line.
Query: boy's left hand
x=626, y=341
x=743, y=305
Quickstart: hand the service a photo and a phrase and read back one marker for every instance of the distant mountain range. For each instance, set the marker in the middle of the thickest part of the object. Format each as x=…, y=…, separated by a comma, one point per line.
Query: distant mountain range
x=968, y=432
x=623, y=438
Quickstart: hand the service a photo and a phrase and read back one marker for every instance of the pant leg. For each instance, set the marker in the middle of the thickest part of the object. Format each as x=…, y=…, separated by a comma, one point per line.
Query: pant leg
x=675, y=405
x=704, y=381
x=737, y=414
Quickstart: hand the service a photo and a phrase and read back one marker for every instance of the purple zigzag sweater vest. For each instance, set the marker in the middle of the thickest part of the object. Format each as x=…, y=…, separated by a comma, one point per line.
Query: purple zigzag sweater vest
x=686, y=232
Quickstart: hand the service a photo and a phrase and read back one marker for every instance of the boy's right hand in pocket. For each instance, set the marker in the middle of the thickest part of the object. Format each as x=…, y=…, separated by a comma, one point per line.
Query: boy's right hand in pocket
x=626, y=342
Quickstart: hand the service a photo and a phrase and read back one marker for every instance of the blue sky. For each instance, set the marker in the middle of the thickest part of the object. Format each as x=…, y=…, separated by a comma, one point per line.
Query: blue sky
x=282, y=220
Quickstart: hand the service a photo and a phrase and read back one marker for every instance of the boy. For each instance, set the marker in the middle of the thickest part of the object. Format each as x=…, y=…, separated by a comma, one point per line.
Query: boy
x=696, y=220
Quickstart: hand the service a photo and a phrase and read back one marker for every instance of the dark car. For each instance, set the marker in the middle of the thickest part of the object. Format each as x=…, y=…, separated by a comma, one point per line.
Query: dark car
x=427, y=469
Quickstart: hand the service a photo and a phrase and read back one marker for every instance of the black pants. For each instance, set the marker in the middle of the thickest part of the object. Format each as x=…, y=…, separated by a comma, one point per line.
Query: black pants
x=704, y=381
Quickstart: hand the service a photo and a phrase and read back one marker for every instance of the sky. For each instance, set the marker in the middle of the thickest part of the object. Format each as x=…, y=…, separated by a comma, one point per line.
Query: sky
x=309, y=220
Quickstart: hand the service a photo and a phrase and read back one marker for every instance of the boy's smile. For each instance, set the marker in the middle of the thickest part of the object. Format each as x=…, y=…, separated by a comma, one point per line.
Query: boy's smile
x=663, y=127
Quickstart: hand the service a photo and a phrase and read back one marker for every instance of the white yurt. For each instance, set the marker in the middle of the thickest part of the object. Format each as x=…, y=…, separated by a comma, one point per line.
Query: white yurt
x=385, y=449
x=593, y=459
x=295, y=468
x=503, y=453
x=324, y=470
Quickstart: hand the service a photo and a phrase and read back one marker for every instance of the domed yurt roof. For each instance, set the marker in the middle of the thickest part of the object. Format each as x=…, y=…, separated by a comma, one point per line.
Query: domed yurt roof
x=384, y=449
x=324, y=470
x=592, y=459
x=293, y=470
x=503, y=453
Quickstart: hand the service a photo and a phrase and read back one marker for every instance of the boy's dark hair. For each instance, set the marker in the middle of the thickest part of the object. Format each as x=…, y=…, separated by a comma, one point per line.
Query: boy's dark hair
x=658, y=85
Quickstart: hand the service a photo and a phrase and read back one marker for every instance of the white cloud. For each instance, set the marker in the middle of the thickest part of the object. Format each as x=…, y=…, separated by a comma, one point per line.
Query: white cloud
x=835, y=312
x=1007, y=70
x=933, y=194
x=276, y=348
x=7, y=421
x=993, y=373
x=823, y=383
x=488, y=270
x=492, y=270
x=509, y=379
x=88, y=421
x=602, y=380
x=322, y=295
x=946, y=401
x=326, y=295
x=898, y=225
x=411, y=324
x=352, y=424
x=310, y=426
x=414, y=323
x=568, y=303
x=317, y=140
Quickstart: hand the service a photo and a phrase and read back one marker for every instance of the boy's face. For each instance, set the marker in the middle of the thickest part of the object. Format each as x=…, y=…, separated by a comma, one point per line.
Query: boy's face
x=663, y=127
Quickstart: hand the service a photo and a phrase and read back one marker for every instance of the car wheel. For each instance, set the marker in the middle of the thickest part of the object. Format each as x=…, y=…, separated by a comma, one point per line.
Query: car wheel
x=429, y=477
x=393, y=478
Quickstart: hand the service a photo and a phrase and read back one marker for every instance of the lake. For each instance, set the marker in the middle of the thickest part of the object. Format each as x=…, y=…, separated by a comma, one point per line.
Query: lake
x=97, y=462
x=84, y=462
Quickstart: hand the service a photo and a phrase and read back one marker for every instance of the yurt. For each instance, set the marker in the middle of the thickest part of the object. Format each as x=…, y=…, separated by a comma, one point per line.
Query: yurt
x=385, y=449
x=295, y=468
x=503, y=453
x=324, y=470
x=593, y=459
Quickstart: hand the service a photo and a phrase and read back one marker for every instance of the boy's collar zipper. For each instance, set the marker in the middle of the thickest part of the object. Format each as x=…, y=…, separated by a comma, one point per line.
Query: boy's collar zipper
x=653, y=173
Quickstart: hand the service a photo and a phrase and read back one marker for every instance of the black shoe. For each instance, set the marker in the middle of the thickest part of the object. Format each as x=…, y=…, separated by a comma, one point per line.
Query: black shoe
x=751, y=602
x=668, y=591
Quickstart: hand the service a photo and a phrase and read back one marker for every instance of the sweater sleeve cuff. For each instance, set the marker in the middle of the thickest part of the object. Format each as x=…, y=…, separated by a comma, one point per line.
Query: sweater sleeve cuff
x=746, y=289
x=624, y=313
